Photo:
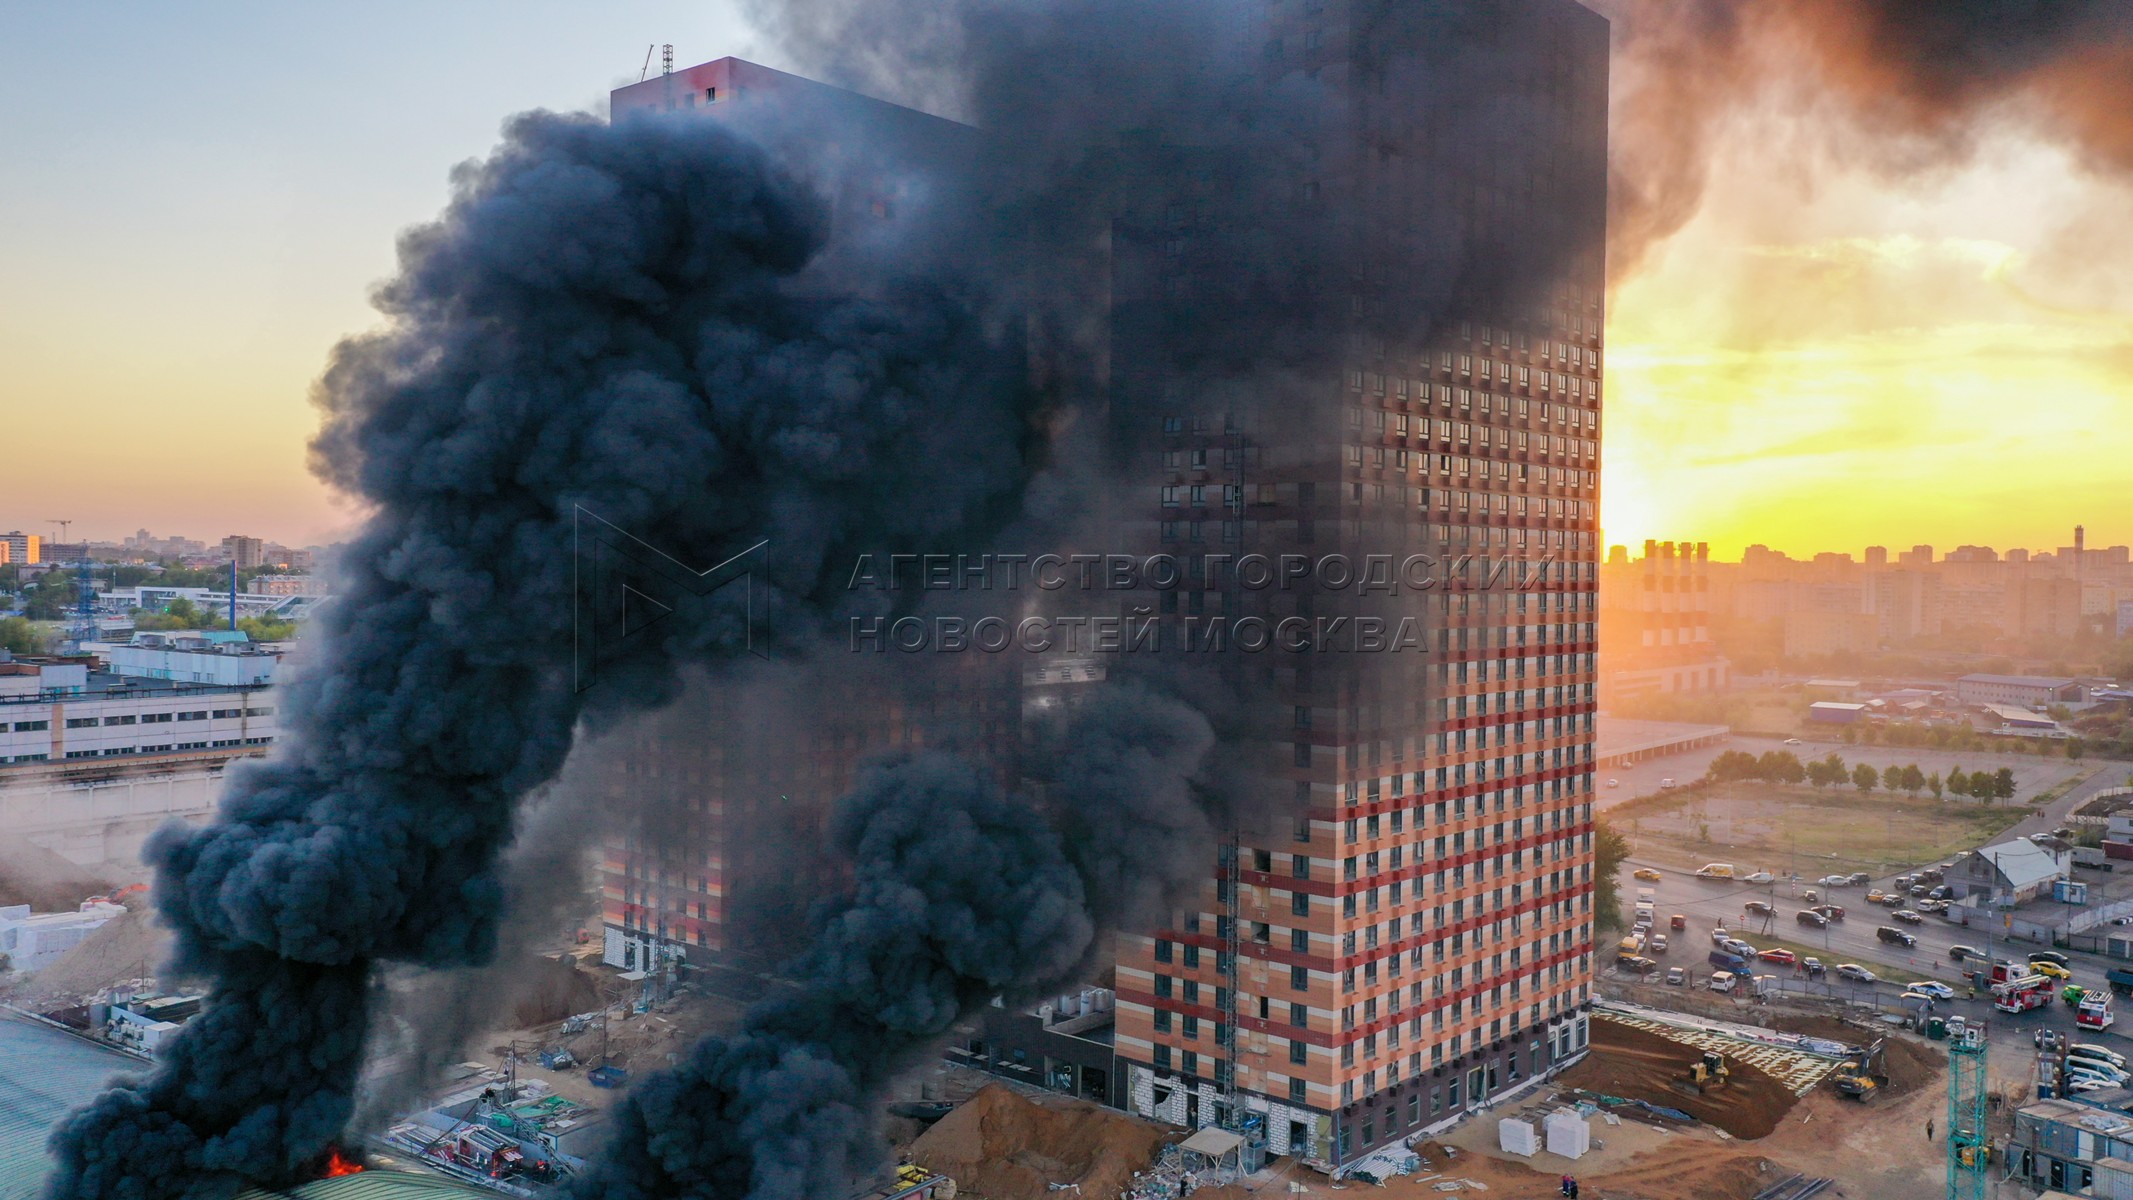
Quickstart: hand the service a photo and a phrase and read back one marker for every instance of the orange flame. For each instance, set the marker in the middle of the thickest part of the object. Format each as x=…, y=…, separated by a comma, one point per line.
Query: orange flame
x=338, y=1163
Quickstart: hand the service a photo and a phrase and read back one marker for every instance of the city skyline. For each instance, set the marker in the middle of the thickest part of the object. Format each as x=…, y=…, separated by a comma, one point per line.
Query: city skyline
x=1845, y=339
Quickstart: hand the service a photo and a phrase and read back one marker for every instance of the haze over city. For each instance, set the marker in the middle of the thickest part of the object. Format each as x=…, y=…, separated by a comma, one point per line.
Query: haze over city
x=839, y=600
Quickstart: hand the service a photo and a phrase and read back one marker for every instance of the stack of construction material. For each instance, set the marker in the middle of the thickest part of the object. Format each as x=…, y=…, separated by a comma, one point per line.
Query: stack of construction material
x=1568, y=1133
x=1517, y=1137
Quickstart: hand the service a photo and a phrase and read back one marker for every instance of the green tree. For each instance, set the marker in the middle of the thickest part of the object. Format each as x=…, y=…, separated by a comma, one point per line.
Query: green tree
x=2003, y=784
x=19, y=635
x=267, y=629
x=1958, y=783
x=1892, y=777
x=1791, y=770
x=180, y=613
x=1912, y=779
x=1610, y=851
x=1933, y=784
x=1865, y=778
x=2075, y=748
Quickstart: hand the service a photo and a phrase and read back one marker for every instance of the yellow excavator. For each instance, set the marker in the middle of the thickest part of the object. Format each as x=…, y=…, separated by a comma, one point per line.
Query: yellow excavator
x=1854, y=1077
x=1706, y=1074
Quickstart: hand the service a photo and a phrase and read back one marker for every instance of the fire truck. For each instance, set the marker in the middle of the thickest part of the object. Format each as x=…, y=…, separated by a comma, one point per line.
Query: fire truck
x=481, y=1149
x=2022, y=993
x=2094, y=1011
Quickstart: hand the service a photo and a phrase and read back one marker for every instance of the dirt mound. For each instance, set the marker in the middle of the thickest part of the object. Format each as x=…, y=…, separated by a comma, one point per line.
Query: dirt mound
x=1631, y=1062
x=1911, y=1064
x=1000, y=1146
x=132, y=946
x=551, y=989
x=46, y=882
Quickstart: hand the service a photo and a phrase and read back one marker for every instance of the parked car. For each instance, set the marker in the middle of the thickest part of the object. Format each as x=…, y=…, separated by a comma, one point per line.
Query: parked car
x=1678, y=921
x=1657, y=944
x=1758, y=907
x=1756, y=877
x=1667, y=782
x=1834, y=912
x=1835, y=881
x=1719, y=935
x=1895, y=937
x=1792, y=741
x=1943, y=892
x=1893, y=900
x=1779, y=954
x=1813, y=966
x=1906, y=916
x=1964, y=953
x=1637, y=964
x=1861, y=879
x=1902, y=883
x=1876, y=896
x=1939, y=991
x=1646, y=873
x=2050, y=956
x=2050, y=969
x=1614, y=783
x=1811, y=919
x=2092, y=1050
x=1917, y=891
x=1856, y=973
x=1736, y=946
x=1676, y=976
x=1723, y=981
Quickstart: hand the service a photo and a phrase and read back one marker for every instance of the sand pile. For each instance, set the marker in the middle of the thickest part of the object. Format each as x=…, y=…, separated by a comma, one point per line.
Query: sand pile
x=1631, y=1062
x=132, y=946
x=1000, y=1146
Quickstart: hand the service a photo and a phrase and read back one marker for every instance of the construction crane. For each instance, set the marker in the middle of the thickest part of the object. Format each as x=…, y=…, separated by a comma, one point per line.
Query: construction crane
x=84, y=588
x=1969, y=1152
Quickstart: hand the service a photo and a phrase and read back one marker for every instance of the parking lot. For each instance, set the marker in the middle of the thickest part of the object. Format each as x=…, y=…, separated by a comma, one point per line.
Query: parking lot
x=1706, y=903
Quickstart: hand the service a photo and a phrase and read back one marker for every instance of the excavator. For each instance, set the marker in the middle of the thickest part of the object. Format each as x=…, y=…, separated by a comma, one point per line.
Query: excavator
x=1854, y=1077
x=1706, y=1074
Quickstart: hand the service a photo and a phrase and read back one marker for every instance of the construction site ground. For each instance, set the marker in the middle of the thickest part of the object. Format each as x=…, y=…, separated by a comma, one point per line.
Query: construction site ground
x=1018, y=1143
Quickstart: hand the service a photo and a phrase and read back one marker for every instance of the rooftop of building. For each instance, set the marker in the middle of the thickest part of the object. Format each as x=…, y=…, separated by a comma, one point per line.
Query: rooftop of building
x=44, y=1073
x=1626, y=735
x=2022, y=862
x=2018, y=680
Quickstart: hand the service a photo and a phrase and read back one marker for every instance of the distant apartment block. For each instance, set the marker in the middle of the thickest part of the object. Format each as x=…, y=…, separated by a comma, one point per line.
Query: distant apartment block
x=246, y=552
x=1655, y=624
x=20, y=549
x=286, y=585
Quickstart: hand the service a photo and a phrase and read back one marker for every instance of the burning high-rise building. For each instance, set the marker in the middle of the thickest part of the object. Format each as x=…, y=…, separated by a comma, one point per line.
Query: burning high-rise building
x=1419, y=941
x=1412, y=935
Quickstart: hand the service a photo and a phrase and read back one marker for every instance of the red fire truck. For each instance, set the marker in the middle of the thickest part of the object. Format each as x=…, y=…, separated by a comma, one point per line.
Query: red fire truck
x=2022, y=993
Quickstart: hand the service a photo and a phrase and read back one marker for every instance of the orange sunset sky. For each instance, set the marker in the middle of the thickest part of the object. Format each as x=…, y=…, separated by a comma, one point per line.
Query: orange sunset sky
x=1825, y=357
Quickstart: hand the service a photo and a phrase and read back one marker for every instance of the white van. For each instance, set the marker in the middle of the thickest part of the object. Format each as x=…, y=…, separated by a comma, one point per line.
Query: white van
x=1715, y=871
x=1723, y=981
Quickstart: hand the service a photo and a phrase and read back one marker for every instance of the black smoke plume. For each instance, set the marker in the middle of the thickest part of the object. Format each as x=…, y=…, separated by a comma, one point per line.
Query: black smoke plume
x=961, y=895
x=1909, y=83
x=621, y=317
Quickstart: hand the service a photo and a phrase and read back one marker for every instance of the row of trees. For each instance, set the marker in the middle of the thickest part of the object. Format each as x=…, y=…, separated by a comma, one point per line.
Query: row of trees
x=1783, y=766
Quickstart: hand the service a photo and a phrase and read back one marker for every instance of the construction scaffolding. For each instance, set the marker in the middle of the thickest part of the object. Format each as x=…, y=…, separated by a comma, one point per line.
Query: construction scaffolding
x=1968, y=1149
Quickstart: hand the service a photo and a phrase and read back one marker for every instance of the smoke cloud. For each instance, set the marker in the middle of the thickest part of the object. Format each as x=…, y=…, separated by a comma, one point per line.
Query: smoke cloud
x=961, y=895
x=614, y=316
x=1909, y=83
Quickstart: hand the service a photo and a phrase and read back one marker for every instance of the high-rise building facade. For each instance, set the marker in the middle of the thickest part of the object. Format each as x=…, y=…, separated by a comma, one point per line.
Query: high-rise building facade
x=1655, y=622
x=1416, y=940
x=1410, y=936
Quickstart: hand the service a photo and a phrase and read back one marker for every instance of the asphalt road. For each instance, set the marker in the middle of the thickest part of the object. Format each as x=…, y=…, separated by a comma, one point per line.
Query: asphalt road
x=1720, y=902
